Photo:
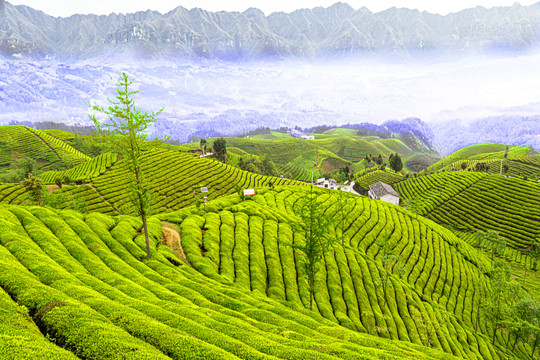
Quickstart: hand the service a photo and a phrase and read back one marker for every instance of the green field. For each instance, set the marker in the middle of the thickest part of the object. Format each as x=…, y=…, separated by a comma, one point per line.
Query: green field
x=76, y=286
x=330, y=151
x=226, y=279
x=477, y=201
x=21, y=141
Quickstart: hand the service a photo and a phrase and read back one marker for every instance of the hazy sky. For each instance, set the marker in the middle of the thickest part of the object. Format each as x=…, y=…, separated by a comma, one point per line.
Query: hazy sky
x=70, y=7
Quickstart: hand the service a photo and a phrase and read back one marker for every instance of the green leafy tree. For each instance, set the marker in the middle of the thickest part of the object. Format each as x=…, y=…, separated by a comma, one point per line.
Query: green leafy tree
x=341, y=212
x=220, y=149
x=463, y=165
x=202, y=142
x=497, y=305
x=395, y=162
x=526, y=324
x=34, y=186
x=496, y=243
x=125, y=128
x=58, y=181
x=534, y=251
x=313, y=225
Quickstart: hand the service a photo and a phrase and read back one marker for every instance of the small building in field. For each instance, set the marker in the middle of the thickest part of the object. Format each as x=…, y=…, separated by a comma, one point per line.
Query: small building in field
x=384, y=192
x=327, y=184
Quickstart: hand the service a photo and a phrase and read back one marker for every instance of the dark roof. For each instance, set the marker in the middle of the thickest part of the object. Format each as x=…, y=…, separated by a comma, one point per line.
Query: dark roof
x=380, y=189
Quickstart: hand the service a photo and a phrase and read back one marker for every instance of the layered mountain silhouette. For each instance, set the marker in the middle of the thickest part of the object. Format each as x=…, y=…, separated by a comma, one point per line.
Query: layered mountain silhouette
x=339, y=29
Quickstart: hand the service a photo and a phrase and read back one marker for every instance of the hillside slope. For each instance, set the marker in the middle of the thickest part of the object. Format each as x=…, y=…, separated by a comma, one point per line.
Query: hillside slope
x=81, y=287
x=329, y=151
x=497, y=158
x=50, y=152
x=434, y=303
x=176, y=179
x=473, y=201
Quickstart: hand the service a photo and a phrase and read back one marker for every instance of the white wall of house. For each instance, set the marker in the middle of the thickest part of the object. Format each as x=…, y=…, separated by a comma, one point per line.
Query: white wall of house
x=390, y=199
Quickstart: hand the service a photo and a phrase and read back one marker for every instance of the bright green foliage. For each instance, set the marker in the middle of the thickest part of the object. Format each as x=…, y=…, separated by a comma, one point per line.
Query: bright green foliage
x=433, y=297
x=496, y=243
x=177, y=178
x=19, y=141
x=33, y=185
x=487, y=151
x=20, y=337
x=387, y=176
x=526, y=321
x=313, y=226
x=126, y=129
x=497, y=305
x=85, y=281
x=471, y=201
x=83, y=173
x=296, y=158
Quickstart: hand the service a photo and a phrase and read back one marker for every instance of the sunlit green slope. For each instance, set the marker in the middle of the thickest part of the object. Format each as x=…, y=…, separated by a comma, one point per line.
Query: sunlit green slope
x=175, y=177
x=471, y=201
x=433, y=303
x=80, y=286
x=21, y=141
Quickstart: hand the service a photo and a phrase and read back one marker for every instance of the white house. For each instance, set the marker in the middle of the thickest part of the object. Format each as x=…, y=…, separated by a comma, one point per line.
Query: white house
x=327, y=184
x=384, y=192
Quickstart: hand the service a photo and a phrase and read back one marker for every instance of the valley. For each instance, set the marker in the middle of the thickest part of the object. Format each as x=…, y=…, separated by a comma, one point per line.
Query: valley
x=397, y=282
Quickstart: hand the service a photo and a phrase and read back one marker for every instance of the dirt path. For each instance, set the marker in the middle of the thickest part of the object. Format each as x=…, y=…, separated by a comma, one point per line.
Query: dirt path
x=171, y=238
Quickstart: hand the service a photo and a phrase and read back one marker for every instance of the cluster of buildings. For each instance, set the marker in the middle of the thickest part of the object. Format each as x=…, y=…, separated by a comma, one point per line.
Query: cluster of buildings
x=377, y=191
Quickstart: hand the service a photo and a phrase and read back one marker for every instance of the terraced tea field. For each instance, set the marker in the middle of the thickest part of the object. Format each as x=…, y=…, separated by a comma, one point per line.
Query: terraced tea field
x=476, y=201
x=387, y=176
x=486, y=151
x=79, y=286
x=434, y=303
x=84, y=172
x=22, y=141
x=175, y=178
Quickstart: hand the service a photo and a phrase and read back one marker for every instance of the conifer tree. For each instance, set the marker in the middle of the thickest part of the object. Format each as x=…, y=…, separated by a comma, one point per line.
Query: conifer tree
x=314, y=225
x=125, y=128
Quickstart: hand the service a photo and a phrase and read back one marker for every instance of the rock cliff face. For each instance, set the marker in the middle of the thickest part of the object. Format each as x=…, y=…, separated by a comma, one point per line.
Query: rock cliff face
x=335, y=31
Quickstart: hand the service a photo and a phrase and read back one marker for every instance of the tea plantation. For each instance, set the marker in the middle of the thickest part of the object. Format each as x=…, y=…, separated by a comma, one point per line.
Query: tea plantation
x=79, y=286
x=22, y=141
x=477, y=201
x=227, y=278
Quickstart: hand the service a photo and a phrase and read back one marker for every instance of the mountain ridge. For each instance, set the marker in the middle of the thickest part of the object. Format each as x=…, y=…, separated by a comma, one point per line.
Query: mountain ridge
x=336, y=30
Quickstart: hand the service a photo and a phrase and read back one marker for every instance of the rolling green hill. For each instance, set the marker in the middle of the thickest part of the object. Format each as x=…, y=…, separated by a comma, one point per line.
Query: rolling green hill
x=521, y=160
x=175, y=178
x=226, y=279
x=74, y=286
x=21, y=141
x=331, y=150
x=387, y=176
x=229, y=286
x=473, y=201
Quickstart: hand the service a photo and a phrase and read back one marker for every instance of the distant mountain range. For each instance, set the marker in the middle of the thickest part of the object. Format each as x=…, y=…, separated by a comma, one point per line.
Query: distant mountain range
x=509, y=129
x=337, y=30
